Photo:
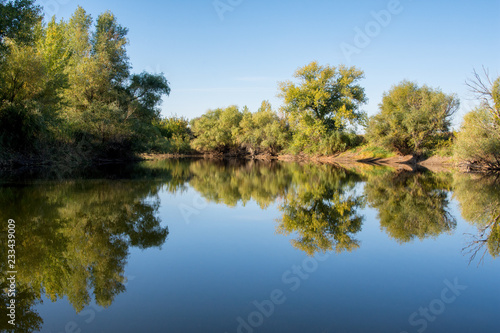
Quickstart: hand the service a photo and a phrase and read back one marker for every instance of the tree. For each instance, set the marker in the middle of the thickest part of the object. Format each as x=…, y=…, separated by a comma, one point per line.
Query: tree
x=263, y=131
x=412, y=117
x=18, y=21
x=215, y=130
x=478, y=142
x=327, y=94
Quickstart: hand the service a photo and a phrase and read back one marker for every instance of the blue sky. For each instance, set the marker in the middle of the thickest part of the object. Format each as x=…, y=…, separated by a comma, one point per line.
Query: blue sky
x=237, y=54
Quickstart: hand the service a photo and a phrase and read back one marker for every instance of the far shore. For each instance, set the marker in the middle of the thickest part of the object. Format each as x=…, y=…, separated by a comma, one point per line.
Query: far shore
x=409, y=163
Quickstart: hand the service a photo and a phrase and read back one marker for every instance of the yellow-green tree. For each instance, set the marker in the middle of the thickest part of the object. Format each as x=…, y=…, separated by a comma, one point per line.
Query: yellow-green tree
x=412, y=118
x=478, y=142
x=323, y=102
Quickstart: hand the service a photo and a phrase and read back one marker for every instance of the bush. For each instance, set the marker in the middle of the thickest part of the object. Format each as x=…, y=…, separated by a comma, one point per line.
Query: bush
x=411, y=118
x=263, y=131
x=214, y=132
x=478, y=142
x=174, y=136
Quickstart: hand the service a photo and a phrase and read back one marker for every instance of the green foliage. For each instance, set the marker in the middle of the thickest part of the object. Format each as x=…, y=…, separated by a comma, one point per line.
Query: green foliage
x=411, y=118
x=28, y=98
x=320, y=106
x=315, y=140
x=478, y=142
x=215, y=131
x=68, y=89
x=175, y=136
x=262, y=131
x=326, y=94
x=18, y=21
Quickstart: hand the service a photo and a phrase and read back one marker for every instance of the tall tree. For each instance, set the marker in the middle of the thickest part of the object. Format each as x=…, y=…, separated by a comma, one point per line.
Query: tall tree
x=411, y=117
x=18, y=21
x=478, y=142
x=330, y=95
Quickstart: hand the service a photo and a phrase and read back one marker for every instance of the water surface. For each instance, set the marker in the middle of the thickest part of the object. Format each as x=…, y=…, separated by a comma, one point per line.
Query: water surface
x=199, y=246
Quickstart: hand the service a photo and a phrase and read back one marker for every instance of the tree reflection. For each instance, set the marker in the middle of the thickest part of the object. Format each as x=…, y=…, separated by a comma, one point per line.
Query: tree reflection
x=411, y=204
x=27, y=319
x=230, y=182
x=322, y=209
x=73, y=238
x=479, y=198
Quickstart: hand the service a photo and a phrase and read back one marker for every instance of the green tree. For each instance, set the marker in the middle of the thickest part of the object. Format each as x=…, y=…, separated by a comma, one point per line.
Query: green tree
x=263, y=131
x=478, y=142
x=412, y=117
x=328, y=94
x=18, y=21
x=28, y=99
x=215, y=131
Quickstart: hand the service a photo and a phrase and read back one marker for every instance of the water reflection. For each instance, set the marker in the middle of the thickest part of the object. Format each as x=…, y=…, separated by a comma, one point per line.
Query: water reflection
x=73, y=239
x=76, y=235
x=479, y=198
x=411, y=205
x=322, y=208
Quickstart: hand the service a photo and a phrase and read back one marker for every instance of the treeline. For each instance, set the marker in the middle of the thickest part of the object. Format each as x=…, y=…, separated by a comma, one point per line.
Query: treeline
x=66, y=90
x=322, y=113
x=67, y=95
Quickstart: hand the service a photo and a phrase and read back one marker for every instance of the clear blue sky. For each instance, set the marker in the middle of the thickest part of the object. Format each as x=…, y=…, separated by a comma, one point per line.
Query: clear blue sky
x=213, y=62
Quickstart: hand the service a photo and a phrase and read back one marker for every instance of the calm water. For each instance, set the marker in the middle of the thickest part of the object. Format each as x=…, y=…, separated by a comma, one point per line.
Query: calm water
x=198, y=246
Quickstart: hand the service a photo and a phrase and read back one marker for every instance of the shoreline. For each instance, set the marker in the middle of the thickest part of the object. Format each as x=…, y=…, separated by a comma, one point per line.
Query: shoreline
x=434, y=163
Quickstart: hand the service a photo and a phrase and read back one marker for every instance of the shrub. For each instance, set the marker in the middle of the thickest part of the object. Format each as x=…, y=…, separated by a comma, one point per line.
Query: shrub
x=411, y=118
x=214, y=132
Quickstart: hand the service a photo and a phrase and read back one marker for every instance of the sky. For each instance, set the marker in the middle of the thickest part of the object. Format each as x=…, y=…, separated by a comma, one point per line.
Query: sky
x=234, y=52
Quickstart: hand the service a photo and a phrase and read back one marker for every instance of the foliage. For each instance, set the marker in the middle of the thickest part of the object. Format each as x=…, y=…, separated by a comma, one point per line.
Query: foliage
x=67, y=88
x=326, y=94
x=215, y=131
x=478, y=142
x=411, y=118
x=262, y=131
x=175, y=136
x=18, y=21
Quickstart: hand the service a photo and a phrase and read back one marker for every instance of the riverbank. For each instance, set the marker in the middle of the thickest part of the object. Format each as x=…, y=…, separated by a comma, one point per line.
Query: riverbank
x=408, y=162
